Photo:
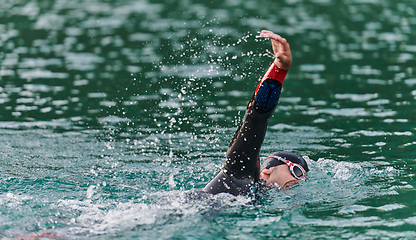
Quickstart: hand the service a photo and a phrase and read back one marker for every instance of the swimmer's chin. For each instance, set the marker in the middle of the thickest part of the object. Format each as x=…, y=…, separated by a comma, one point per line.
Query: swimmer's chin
x=288, y=185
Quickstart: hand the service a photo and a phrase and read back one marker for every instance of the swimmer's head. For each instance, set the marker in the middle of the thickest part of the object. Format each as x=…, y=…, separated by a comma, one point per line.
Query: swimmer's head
x=283, y=168
x=272, y=162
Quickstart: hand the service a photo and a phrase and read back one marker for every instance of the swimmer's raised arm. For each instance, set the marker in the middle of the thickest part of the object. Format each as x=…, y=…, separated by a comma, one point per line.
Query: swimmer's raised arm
x=241, y=170
x=281, y=49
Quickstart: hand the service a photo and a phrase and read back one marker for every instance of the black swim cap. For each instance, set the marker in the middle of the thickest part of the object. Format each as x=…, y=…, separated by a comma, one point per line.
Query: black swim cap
x=273, y=162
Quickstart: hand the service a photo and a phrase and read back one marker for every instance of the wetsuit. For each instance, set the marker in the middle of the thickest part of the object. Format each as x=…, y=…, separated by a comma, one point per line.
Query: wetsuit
x=241, y=169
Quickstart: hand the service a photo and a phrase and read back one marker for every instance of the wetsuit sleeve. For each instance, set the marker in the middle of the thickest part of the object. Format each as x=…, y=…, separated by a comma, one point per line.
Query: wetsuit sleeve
x=241, y=168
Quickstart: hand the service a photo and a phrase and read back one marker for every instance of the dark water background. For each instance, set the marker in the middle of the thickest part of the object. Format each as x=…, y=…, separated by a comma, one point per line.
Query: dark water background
x=114, y=113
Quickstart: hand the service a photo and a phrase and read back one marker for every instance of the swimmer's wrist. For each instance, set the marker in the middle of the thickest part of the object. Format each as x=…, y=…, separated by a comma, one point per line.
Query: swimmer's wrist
x=282, y=65
x=274, y=72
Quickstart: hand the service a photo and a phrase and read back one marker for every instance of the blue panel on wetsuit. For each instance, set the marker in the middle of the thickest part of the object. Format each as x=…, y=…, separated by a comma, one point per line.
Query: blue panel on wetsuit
x=268, y=95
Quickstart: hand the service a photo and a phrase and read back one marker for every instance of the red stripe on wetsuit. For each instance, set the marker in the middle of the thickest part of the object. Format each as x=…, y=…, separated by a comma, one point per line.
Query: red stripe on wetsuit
x=274, y=72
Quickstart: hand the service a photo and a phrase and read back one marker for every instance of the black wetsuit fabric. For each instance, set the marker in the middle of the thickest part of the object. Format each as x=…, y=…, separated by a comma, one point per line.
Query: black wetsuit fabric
x=241, y=169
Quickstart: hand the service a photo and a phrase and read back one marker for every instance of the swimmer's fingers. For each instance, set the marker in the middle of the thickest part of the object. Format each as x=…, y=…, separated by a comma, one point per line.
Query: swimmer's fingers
x=276, y=39
x=281, y=49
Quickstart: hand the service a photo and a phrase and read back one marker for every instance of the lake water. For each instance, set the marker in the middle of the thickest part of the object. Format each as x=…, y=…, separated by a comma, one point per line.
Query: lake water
x=113, y=114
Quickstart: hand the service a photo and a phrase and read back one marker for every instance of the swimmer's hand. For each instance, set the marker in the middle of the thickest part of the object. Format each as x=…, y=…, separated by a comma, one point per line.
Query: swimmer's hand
x=281, y=49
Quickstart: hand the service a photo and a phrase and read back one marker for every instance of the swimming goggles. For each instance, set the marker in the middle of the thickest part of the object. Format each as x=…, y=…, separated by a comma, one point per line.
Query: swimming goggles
x=295, y=169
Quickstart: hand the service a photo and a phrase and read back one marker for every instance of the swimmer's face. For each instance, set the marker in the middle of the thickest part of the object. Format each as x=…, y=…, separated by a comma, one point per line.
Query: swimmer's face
x=278, y=175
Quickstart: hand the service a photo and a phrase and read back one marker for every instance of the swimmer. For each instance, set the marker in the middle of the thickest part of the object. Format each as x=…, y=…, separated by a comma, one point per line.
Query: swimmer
x=242, y=171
